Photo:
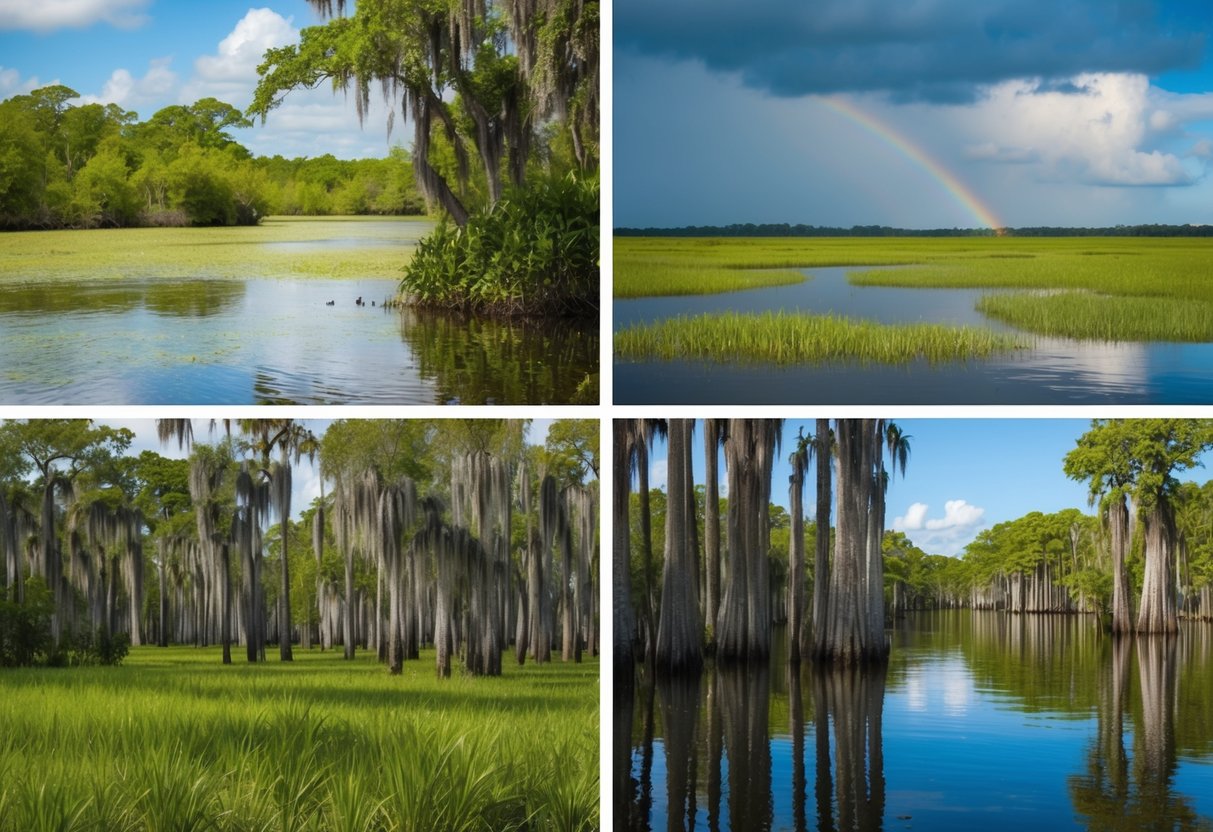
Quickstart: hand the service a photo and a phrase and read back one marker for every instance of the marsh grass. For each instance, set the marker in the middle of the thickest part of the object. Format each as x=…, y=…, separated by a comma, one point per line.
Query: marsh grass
x=1105, y=288
x=1102, y=317
x=236, y=252
x=782, y=338
x=174, y=740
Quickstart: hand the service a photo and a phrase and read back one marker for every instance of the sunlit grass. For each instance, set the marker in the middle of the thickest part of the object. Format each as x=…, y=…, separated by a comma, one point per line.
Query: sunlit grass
x=1102, y=317
x=174, y=740
x=1107, y=288
x=781, y=338
x=236, y=252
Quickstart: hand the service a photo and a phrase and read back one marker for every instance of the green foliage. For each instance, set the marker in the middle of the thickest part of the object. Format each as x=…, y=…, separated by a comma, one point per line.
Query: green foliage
x=88, y=165
x=98, y=646
x=25, y=628
x=534, y=253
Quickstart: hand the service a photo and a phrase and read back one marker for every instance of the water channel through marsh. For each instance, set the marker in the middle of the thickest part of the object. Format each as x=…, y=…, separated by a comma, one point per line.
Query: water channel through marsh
x=982, y=720
x=266, y=337
x=1052, y=371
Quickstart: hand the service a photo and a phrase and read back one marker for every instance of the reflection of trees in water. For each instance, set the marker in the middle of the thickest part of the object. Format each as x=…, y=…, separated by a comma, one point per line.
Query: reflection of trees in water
x=745, y=701
x=190, y=298
x=193, y=298
x=1115, y=793
x=476, y=360
x=679, y=696
x=623, y=787
x=852, y=700
x=1047, y=662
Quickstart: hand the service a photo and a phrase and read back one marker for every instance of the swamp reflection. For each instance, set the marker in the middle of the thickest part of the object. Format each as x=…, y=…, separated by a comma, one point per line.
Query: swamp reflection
x=981, y=720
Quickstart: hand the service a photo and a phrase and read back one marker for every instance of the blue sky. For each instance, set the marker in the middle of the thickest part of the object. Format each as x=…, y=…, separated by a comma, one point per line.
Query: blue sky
x=1083, y=113
x=963, y=475
x=148, y=54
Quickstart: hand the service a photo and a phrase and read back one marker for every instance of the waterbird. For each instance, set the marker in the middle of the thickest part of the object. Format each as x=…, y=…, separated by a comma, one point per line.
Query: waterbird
x=359, y=301
x=331, y=303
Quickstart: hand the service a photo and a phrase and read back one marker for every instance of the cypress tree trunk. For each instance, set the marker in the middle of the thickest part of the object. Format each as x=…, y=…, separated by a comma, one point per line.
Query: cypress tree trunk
x=821, y=554
x=679, y=629
x=621, y=596
x=1122, y=601
x=796, y=561
x=711, y=527
x=1158, y=613
x=855, y=607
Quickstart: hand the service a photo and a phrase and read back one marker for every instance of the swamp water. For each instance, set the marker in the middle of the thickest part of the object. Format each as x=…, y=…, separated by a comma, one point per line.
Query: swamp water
x=272, y=339
x=1053, y=371
x=981, y=721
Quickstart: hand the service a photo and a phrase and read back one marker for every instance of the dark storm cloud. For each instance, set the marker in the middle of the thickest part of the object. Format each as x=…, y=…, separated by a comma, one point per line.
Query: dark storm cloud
x=935, y=50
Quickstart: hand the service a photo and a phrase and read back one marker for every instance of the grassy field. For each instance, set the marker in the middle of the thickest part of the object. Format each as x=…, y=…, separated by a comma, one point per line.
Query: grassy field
x=780, y=338
x=174, y=740
x=1109, y=288
x=278, y=247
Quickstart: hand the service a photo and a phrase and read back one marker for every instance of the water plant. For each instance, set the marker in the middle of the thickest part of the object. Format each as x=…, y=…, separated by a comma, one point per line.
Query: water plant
x=783, y=338
x=535, y=252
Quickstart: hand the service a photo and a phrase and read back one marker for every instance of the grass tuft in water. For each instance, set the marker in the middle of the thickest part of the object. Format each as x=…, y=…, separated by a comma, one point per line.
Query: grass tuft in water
x=781, y=338
x=1102, y=317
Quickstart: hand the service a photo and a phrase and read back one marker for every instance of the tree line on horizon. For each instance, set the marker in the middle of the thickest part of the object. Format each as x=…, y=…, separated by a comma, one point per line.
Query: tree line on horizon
x=801, y=230
x=65, y=164
x=452, y=534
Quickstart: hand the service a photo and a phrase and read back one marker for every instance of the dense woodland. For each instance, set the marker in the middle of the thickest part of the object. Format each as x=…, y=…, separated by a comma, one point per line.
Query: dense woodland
x=450, y=533
x=697, y=573
x=65, y=164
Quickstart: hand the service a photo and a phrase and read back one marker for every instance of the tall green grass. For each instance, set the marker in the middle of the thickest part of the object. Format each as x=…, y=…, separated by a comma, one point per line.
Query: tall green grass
x=1109, y=288
x=174, y=740
x=781, y=338
x=1102, y=317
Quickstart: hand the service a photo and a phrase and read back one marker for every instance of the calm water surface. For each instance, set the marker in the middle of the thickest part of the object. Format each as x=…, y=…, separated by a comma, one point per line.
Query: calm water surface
x=982, y=721
x=151, y=340
x=1055, y=370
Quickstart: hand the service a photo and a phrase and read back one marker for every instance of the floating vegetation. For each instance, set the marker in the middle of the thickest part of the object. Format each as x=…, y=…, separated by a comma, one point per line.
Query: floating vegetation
x=782, y=338
x=235, y=252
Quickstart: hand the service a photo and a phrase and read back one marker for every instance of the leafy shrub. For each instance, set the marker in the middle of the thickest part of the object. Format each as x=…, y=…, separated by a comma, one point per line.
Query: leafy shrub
x=25, y=628
x=533, y=253
x=98, y=647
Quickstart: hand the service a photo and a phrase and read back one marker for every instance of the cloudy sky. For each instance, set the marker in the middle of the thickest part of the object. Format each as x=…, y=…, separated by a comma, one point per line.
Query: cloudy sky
x=918, y=114
x=963, y=475
x=147, y=54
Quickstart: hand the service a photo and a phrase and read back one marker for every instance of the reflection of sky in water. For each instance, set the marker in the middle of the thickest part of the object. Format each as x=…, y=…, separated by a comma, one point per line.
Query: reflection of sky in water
x=253, y=341
x=958, y=755
x=1055, y=371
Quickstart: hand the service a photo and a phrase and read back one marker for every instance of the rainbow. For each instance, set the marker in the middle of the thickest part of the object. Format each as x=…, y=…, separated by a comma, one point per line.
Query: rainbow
x=955, y=188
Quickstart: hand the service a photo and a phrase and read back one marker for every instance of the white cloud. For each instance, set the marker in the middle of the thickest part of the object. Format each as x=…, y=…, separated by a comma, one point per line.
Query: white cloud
x=1099, y=130
x=308, y=122
x=913, y=519
x=957, y=513
x=127, y=91
x=944, y=535
x=231, y=73
x=658, y=474
x=11, y=83
x=48, y=15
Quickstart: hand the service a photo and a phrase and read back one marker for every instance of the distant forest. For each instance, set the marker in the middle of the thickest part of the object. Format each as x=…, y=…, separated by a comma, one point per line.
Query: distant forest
x=70, y=165
x=786, y=230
